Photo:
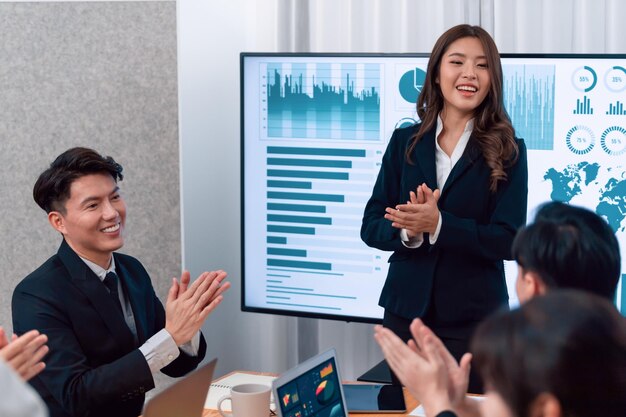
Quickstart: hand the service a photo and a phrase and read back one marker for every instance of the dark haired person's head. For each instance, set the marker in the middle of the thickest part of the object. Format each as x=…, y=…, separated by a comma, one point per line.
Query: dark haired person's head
x=561, y=354
x=478, y=92
x=432, y=97
x=80, y=194
x=566, y=247
x=52, y=188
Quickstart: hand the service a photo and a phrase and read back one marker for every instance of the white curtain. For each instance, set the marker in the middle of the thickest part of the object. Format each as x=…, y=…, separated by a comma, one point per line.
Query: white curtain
x=211, y=35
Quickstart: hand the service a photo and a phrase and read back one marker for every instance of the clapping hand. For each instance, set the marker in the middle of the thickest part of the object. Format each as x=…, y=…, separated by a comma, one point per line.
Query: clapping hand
x=24, y=353
x=422, y=371
x=188, y=306
x=419, y=215
x=458, y=373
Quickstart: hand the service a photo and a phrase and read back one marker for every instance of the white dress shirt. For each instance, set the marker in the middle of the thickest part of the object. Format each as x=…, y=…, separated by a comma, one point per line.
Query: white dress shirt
x=160, y=350
x=17, y=398
x=444, y=165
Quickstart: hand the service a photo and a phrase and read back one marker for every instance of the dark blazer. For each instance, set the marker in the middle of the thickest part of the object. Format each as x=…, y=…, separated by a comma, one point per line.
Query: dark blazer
x=94, y=367
x=462, y=273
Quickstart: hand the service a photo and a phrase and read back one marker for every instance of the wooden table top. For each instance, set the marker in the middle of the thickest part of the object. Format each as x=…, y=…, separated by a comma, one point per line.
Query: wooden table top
x=411, y=403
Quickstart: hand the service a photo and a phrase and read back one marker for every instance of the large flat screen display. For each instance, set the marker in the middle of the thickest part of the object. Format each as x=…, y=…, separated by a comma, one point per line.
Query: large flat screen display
x=314, y=129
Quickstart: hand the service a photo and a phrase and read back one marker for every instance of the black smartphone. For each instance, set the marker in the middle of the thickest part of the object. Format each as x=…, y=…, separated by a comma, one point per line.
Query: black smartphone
x=374, y=398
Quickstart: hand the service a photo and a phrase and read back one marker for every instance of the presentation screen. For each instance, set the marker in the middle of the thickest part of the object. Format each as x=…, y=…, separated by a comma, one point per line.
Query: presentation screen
x=315, y=127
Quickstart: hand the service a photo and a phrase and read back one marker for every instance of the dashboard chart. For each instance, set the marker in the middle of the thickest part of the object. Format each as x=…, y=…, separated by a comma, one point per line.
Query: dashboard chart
x=315, y=127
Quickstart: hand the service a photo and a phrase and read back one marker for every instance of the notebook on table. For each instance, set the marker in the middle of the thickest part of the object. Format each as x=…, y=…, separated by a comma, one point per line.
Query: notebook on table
x=185, y=398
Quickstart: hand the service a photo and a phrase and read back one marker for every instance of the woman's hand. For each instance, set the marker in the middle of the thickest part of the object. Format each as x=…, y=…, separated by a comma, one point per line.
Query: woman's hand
x=415, y=216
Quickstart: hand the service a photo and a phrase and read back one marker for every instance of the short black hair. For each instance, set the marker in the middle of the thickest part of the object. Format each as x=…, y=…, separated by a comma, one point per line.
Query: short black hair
x=52, y=188
x=570, y=247
x=569, y=343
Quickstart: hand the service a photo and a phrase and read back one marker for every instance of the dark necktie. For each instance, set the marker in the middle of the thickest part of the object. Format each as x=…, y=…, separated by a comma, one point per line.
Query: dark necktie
x=111, y=283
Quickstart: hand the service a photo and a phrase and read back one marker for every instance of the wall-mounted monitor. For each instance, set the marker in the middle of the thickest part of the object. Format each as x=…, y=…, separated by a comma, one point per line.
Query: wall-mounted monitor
x=315, y=126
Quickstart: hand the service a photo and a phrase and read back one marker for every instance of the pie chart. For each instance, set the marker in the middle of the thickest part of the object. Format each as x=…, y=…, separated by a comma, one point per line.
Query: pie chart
x=411, y=84
x=325, y=391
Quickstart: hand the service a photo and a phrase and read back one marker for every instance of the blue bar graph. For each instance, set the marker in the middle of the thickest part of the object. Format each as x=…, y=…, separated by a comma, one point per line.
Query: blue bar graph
x=308, y=197
x=296, y=207
x=322, y=266
x=302, y=305
x=298, y=219
x=301, y=253
x=310, y=170
x=307, y=103
x=277, y=240
x=616, y=109
x=280, y=287
x=291, y=229
x=584, y=106
x=308, y=174
x=289, y=184
x=288, y=150
x=529, y=99
x=311, y=294
x=309, y=162
x=308, y=272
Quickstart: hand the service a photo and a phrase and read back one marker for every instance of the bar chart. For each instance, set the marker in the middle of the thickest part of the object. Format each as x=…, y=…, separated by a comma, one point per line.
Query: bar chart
x=314, y=204
x=583, y=106
x=616, y=109
x=529, y=100
x=323, y=101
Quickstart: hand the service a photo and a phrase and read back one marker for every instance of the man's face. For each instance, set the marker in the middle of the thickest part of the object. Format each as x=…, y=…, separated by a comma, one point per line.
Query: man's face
x=94, y=218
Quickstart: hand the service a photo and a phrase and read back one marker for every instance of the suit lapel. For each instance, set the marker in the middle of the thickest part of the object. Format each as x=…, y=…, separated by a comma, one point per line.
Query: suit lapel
x=135, y=296
x=425, y=158
x=91, y=286
x=471, y=153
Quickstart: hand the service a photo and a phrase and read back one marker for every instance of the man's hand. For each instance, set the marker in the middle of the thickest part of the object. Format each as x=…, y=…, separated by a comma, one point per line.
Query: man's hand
x=424, y=373
x=24, y=353
x=188, y=306
x=419, y=215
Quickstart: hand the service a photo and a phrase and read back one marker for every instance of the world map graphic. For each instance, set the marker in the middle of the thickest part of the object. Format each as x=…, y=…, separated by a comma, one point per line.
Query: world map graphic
x=604, y=188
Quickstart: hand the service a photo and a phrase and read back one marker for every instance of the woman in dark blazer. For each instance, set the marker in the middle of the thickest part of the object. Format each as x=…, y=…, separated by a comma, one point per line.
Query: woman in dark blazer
x=450, y=196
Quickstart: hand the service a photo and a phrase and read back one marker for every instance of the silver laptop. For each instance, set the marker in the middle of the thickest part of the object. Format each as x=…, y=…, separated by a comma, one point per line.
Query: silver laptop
x=311, y=389
x=185, y=398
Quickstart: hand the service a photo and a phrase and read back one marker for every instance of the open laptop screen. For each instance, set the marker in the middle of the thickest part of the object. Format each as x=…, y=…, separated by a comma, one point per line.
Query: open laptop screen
x=315, y=392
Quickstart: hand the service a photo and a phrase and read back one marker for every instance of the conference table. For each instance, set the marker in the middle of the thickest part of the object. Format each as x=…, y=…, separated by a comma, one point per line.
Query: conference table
x=411, y=403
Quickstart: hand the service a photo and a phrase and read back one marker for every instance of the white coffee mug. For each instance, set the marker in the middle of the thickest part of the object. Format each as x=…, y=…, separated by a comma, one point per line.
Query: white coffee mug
x=248, y=400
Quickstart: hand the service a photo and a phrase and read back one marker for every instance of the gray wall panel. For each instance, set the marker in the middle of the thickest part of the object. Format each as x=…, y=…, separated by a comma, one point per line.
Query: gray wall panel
x=92, y=74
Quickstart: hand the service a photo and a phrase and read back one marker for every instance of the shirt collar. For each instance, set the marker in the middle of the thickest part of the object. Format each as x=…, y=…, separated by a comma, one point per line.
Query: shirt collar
x=98, y=270
x=469, y=126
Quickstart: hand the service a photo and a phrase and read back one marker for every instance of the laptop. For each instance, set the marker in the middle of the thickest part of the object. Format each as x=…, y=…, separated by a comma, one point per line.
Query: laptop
x=311, y=389
x=185, y=398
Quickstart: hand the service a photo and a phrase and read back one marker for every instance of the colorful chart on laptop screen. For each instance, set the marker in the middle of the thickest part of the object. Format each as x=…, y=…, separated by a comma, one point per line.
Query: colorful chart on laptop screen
x=313, y=394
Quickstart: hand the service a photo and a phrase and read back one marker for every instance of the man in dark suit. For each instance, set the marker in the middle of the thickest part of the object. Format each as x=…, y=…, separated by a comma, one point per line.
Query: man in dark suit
x=108, y=332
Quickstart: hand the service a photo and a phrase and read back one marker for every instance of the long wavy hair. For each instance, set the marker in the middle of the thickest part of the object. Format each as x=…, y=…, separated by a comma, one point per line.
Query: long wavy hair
x=493, y=130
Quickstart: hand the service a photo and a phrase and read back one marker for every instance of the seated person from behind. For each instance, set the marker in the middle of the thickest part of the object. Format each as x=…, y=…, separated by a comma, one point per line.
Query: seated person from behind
x=559, y=355
x=108, y=332
x=565, y=247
